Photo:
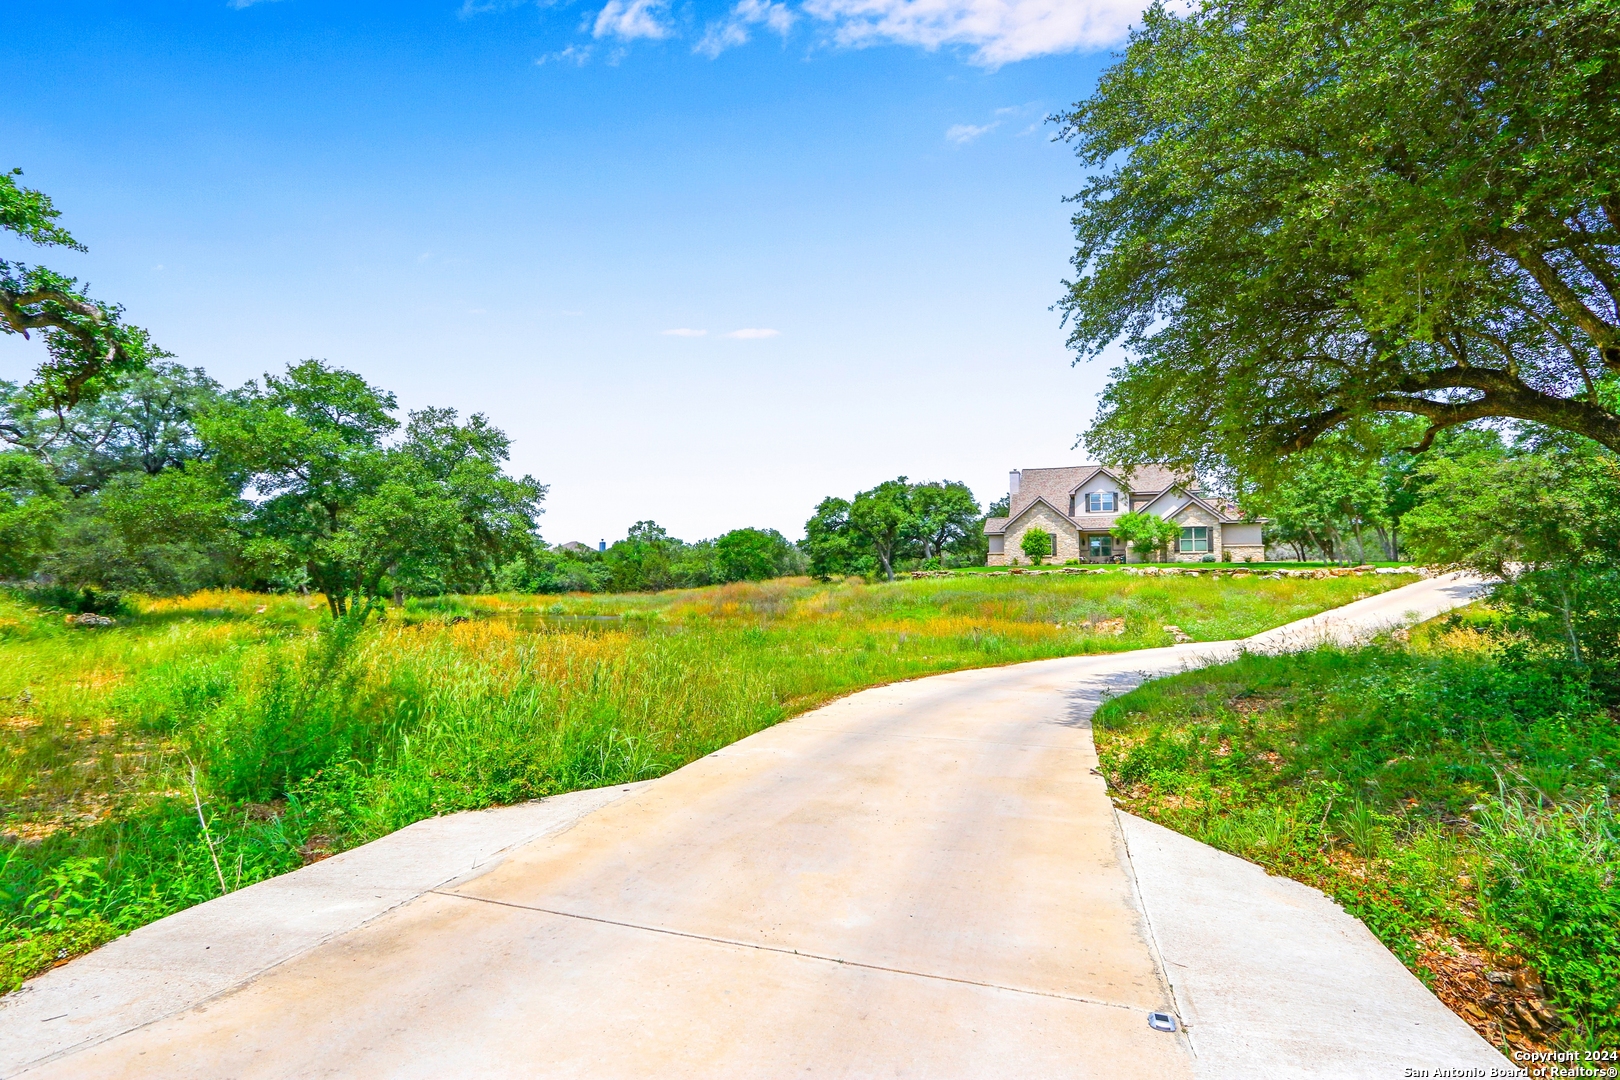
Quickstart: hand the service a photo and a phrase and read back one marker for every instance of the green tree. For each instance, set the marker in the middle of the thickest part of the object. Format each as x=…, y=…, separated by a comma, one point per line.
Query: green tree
x=1036, y=544
x=829, y=541
x=1546, y=522
x=30, y=508
x=168, y=533
x=752, y=555
x=102, y=450
x=893, y=521
x=493, y=514
x=330, y=498
x=1307, y=213
x=1323, y=495
x=947, y=516
x=86, y=341
x=1147, y=533
x=884, y=522
x=143, y=421
x=645, y=560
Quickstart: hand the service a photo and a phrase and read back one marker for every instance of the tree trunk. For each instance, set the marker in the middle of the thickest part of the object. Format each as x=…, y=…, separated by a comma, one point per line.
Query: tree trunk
x=1569, y=624
x=1386, y=540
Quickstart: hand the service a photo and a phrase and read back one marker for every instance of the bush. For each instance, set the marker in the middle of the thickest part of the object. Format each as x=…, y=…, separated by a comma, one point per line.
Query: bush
x=1551, y=876
x=1398, y=758
x=81, y=601
x=1036, y=544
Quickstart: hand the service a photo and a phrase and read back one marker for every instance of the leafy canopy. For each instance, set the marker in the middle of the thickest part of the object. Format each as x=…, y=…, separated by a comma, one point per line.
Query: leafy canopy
x=327, y=497
x=30, y=507
x=1545, y=519
x=86, y=341
x=1146, y=532
x=1311, y=213
x=895, y=520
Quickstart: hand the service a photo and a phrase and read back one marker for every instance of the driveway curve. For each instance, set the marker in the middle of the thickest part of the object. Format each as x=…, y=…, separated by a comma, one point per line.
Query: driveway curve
x=925, y=879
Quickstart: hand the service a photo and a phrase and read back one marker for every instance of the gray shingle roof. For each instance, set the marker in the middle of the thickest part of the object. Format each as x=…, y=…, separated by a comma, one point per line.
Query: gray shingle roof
x=1054, y=485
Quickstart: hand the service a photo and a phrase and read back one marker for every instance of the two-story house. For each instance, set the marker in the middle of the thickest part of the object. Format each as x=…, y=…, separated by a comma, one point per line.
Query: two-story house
x=1078, y=507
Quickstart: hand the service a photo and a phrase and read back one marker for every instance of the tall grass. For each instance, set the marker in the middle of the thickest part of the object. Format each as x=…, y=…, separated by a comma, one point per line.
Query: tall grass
x=223, y=738
x=1454, y=794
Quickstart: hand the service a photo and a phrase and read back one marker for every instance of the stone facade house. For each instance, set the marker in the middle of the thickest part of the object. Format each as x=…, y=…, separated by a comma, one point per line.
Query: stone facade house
x=1079, y=505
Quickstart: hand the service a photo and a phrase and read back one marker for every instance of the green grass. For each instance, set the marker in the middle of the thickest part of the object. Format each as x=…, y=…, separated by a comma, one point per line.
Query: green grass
x=1258, y=567
x=292, y=737
x=1453, y=793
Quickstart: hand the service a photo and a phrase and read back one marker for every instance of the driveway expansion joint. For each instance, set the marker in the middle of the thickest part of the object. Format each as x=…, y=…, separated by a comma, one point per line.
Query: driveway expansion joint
x=938, y=738
x=712, y=939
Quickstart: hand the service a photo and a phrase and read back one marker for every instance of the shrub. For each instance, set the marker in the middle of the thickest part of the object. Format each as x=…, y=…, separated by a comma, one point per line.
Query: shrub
x=83, y=601
x=1037, y=544
x=1381, y=774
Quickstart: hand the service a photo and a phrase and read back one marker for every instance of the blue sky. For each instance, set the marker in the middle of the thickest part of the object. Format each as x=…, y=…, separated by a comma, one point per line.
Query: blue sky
x=851, y=211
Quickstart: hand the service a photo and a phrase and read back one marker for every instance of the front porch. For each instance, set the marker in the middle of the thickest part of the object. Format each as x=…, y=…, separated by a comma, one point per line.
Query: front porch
x=1100, y=548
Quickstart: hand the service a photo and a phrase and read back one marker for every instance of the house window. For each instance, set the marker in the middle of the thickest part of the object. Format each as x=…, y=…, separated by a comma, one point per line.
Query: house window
x=1195, y=538
x=1102, y=547
x=1054, y=543
x=998, y=545
x=1102, y=502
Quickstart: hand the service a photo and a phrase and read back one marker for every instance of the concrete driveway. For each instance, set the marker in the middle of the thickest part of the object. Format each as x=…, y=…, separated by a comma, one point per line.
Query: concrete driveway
x=925, y=879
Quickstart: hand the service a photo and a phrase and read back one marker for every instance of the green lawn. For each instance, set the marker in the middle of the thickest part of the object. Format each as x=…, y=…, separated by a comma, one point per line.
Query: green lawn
x=297, y=739
x=1452, y=792
x=1258, y=567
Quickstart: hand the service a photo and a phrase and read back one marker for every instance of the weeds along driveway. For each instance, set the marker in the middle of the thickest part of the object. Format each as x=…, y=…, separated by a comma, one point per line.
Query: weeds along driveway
x=925, y=878
x=209, y=742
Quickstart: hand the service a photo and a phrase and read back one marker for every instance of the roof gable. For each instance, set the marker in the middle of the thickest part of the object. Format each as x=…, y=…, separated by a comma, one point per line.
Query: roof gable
x=1039, y=500
x=1106, y=471
x=1057, y=484
x=1193, y=497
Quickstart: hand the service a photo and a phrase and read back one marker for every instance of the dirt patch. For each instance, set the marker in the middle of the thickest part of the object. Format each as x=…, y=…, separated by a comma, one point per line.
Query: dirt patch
x=318, y=847
x=1499, y=997
x=1250, y=704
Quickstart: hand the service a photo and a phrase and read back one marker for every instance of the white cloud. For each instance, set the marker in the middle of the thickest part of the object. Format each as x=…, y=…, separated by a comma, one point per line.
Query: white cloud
x=1000, y=31
x=962, y=134
x=240, y=4
x=733, y=31
x=685, y=331
x=574, y=54
x=632, y=20
x=751, y=333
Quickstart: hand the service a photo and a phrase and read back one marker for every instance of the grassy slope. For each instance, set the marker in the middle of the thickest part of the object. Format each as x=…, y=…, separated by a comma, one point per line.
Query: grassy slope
x=298, y=741
x=1452, y=793
x=1259, y=567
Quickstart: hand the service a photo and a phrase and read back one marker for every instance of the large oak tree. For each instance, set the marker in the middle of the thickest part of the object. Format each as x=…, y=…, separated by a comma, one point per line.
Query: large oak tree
x=86, y=341
x=1308, y=213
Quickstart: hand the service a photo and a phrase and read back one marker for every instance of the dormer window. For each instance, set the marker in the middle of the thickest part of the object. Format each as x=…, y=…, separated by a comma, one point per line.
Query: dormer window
x=1102, y=502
